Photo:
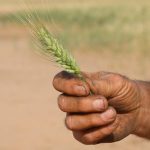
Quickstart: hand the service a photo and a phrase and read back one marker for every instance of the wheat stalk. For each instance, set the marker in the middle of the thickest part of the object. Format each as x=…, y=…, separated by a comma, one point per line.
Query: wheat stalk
x=50, y=45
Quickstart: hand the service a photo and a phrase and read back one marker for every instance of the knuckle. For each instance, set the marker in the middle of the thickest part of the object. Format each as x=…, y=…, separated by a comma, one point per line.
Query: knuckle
x=68, y=123
x=88, y=139
x=55, y=79
x=61, y=102
x=58, y=80
x=77, y=136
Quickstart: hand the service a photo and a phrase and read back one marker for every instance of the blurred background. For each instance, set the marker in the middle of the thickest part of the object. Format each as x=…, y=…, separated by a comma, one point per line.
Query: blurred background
x=109, y=35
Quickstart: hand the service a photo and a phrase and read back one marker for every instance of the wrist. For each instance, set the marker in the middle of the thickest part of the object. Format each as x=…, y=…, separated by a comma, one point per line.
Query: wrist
x=143, y=121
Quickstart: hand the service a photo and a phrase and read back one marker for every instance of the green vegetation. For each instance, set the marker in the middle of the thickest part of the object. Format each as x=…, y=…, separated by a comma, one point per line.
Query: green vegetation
x=51, y=48
x=104, y=27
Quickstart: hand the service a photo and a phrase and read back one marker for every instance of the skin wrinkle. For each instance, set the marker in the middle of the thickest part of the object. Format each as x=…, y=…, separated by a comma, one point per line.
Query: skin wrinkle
x=118, y=89
x=126, y=95
x=131, y=95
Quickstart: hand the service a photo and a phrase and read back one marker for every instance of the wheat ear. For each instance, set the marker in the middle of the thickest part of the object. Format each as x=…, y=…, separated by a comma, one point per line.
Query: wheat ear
x=50, y=45
x=61, y=56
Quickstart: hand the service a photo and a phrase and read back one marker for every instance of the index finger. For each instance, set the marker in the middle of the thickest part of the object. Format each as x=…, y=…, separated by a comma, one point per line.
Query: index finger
x=70, y=84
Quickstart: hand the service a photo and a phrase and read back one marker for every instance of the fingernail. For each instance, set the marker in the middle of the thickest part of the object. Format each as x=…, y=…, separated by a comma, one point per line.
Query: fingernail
x=80, y=89
x=109, y=114
x=98, y=104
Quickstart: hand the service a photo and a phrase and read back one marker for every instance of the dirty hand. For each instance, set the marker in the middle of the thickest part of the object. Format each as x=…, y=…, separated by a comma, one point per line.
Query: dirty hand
x=109, y=114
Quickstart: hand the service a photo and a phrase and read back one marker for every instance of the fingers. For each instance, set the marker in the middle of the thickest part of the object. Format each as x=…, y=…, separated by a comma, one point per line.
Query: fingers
x=82, y=122
x=94, y=103
x=70, y=84
x=96, y=135
x=103, y=83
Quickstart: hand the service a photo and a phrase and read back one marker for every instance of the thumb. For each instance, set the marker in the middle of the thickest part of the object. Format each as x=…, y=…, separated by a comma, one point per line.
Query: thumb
x=100, y=83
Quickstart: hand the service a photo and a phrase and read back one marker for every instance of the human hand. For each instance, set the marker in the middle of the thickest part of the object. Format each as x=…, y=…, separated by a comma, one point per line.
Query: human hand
x=109, y=115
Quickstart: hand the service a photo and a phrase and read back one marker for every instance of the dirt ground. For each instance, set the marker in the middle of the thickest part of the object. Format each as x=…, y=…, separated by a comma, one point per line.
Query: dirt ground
x=29, y=116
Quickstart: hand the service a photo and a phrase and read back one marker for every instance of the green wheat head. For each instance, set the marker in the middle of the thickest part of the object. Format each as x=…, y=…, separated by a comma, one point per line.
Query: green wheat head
x=50, y=45
x=61, y=56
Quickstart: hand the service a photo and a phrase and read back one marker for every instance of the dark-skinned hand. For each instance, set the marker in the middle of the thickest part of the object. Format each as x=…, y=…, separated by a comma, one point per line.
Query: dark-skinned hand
x=109, y=114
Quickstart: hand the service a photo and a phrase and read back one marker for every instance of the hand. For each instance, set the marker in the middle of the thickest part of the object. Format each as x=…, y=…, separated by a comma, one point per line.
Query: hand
x=109, y=115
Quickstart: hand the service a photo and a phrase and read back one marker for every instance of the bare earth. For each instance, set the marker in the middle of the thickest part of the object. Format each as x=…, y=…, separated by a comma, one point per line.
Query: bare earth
x=29, y=117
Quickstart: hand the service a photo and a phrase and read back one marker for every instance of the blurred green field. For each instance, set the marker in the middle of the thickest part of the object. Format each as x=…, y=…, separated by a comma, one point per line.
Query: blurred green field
x=106, y=26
